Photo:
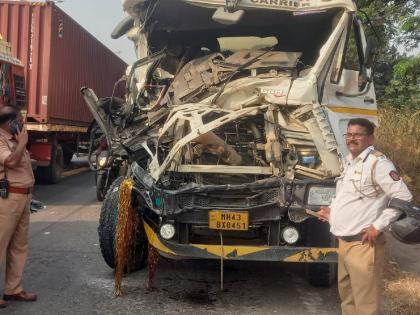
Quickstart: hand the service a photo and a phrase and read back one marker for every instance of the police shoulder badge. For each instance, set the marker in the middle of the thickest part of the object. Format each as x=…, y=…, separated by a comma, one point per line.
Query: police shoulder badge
x=395, y=176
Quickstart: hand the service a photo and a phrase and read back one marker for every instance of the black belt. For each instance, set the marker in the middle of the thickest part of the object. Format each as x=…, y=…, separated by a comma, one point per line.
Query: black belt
x=352, y=238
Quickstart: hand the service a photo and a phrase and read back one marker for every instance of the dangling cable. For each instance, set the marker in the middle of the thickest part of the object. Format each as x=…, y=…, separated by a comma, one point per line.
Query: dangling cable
x=222, y=254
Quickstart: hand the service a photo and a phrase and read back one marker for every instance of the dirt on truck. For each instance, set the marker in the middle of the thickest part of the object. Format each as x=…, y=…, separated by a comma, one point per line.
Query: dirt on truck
x=233, y=125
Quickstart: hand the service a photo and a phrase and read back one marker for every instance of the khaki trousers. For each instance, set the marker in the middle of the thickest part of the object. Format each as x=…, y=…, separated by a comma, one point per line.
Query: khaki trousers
x=360, y=268
x=14, y=224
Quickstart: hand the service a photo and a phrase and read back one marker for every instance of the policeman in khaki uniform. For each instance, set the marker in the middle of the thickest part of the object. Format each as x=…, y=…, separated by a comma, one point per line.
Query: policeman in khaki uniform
x=358, y=215
x=16, y=174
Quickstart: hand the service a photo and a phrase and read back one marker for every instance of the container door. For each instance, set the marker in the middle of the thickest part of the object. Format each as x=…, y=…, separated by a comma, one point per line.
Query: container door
x=5, y=84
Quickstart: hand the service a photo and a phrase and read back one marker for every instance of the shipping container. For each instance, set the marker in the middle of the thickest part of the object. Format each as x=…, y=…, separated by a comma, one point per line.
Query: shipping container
x=59, y=57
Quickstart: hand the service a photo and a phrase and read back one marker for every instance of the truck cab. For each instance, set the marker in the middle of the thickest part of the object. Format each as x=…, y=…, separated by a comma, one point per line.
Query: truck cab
x=233, y=124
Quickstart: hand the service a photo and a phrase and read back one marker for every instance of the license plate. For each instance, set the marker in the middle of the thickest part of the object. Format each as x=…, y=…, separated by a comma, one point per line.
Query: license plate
x=320, y=196
x=227, y=220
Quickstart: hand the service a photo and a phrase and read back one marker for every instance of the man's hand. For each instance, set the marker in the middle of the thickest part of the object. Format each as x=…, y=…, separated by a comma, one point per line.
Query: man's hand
x=22, y=137
x=324, y=213
x=16, y=156
x=370, y=234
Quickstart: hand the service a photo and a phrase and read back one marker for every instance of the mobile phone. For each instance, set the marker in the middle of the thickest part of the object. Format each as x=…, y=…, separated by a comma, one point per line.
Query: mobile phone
x=14, y=127
x=4, y=188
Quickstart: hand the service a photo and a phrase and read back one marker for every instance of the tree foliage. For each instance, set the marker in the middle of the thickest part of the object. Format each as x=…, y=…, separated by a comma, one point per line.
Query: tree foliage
x=403, y=90
x=397, y=23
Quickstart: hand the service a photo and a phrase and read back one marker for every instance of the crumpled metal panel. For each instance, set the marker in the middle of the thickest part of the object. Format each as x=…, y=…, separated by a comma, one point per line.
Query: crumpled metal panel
x=268, y=60
x=197, y=76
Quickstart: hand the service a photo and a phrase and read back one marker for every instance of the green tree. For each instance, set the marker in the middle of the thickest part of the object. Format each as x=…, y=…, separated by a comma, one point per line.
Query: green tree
x=403, y=90
x=397, y=22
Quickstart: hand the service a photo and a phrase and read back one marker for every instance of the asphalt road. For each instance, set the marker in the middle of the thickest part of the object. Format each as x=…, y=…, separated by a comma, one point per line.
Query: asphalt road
x=66, y=269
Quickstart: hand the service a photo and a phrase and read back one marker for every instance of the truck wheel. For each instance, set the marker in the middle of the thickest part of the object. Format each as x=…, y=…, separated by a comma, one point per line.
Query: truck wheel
x=321, y=275
x=318, y=235
x=100, y=186
x=52, y=174
x=67, y=155
x=107, y=228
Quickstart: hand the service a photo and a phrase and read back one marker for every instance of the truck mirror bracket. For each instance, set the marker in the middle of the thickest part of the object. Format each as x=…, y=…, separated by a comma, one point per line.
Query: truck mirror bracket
x=370, y=52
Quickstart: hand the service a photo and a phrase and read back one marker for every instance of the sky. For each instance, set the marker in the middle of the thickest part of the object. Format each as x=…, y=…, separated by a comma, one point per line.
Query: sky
x=100, y=17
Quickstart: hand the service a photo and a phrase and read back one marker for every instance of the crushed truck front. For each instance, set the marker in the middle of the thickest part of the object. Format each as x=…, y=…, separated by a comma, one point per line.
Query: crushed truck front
x=233, y=130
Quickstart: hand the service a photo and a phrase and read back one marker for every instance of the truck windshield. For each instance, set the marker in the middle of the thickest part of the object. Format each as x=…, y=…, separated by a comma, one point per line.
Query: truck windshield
x=285, y=31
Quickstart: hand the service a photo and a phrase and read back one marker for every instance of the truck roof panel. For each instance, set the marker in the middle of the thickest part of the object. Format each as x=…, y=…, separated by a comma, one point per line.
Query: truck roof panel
x=134, y=7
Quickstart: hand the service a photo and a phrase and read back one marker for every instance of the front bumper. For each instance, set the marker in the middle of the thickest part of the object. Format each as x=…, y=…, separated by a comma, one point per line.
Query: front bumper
x=266, y=199
x=236, y=252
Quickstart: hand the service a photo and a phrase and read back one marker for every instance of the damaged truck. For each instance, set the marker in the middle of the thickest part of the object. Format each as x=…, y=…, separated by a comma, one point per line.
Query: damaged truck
x=232, y=126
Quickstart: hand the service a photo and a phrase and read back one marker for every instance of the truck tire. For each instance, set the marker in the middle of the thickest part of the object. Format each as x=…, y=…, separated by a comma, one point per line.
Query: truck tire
x=107, y=228
x=67, y=155
x=52, y=174
x=100, y=186
x=321, y=275
x=318, y=235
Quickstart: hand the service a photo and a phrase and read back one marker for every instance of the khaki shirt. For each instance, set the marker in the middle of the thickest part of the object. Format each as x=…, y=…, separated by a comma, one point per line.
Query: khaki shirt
x=361, y=200
x=21, y=175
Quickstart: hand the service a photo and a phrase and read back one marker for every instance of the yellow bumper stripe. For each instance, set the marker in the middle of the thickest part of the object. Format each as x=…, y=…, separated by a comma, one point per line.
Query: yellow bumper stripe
x=154, y=240
x=311, y=255
x=230, y=251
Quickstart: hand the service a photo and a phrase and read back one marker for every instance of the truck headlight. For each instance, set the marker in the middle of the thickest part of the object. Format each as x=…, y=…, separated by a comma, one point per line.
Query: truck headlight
x=167, y=231
x=320, y=196
x=290, y=235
